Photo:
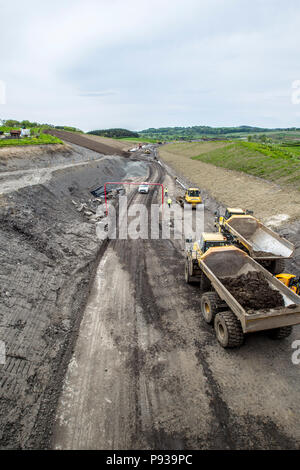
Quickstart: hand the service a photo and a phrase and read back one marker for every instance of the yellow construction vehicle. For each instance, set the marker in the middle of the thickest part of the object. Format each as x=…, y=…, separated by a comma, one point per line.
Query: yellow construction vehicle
x=248, y=233
x=230, y=211
x=192, y=197
x=291, y=281
x=237, y=294
x=196, y=250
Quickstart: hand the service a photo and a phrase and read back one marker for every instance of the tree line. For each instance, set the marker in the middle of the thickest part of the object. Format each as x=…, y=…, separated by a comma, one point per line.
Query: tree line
x=115, y=133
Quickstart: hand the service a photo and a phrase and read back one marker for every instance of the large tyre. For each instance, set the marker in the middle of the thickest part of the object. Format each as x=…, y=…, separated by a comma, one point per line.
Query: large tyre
x=190, y=276
x=228, y=330
x=277, y=266
x=187, y=274
x=280, y=333
x=210, y=306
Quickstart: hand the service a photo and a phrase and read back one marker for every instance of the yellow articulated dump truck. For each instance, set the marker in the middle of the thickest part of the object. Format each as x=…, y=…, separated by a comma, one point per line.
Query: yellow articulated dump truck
x=238, y=295
x=291, y=281
x=246, y=232
x=191, y=197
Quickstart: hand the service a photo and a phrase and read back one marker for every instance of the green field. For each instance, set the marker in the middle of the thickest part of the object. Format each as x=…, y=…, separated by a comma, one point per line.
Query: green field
x=239, y=133
x=43, y=139
x=273, y=162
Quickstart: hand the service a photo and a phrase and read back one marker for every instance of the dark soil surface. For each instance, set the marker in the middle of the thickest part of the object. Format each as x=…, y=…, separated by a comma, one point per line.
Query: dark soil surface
x=79, y=139
x=264, y=254
x=48, y=253
x=253, y=292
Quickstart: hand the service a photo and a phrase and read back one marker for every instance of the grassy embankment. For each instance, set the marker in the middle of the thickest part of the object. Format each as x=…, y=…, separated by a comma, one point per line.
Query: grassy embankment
x=208, y=165
x=41, y=139
x=275, y=163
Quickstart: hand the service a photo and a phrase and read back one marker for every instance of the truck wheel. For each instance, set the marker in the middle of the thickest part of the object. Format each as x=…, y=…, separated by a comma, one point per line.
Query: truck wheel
x=209, y=306
x=280, y=333
x=228, y=330
x=277, y=266
x=187, y=271
x=188, y=274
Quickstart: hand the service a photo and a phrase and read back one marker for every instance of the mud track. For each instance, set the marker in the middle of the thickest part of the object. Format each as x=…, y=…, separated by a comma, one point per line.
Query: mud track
x=147, y=372
x=48, y=255
x=144, y=370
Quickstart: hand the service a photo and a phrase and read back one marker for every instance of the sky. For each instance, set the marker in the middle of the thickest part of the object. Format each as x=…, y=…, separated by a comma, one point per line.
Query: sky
x=137, y=63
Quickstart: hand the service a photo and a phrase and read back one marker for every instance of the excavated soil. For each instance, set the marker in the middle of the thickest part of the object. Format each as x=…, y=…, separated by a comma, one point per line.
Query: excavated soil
x=79, y=139
x=253, y=292
x=246, y=227
x=264, y=254
x=48, y=253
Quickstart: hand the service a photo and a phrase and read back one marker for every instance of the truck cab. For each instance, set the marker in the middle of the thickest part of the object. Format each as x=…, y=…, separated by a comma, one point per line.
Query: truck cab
x=230, y=212
x=195, y=252
x=192, y=196
x=291, y=281
x=207, y=241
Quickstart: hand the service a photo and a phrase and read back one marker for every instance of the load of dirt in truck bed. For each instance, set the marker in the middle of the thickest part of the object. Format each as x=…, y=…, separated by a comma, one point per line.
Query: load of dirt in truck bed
x=264, y=254
x=246, y=226
x=253, y=292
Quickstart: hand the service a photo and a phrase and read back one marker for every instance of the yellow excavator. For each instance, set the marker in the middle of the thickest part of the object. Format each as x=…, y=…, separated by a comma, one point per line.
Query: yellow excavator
x=291, y=281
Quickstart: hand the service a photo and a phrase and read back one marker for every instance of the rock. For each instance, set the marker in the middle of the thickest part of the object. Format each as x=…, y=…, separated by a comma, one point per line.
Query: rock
x=80, y=208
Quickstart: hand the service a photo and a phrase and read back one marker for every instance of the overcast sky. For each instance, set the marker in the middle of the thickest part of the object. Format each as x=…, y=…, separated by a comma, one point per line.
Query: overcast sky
x=139, y=63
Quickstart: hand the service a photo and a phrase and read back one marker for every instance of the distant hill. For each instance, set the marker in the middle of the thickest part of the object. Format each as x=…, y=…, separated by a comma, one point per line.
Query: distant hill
x=199, y=132
x=114, y=133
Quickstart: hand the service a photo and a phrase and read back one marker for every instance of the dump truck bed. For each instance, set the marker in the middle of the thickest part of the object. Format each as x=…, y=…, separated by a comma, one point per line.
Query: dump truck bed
x=261, y=242
x=220, y=264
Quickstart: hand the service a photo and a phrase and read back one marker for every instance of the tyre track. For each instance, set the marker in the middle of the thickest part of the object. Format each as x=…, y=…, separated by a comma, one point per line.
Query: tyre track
x=158, y=364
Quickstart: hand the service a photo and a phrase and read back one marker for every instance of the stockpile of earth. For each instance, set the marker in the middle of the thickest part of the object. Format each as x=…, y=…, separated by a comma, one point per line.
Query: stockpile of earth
x=253, y=292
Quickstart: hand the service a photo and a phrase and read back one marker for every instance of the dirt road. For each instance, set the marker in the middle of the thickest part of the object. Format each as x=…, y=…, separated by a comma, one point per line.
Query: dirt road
x=147, y=372
x=48, y=255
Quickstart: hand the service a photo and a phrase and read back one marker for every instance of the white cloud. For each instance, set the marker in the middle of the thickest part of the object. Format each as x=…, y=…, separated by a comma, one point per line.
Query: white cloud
x=150, y=63
x=98, y=93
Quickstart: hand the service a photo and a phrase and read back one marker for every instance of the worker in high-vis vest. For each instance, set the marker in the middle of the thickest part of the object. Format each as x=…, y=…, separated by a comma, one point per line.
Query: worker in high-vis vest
x=169, y=202
x=166, y=192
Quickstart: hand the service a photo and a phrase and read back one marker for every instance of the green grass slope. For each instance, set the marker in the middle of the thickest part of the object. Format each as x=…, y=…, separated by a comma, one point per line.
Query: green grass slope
x=43, y=139
x=272, y=162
